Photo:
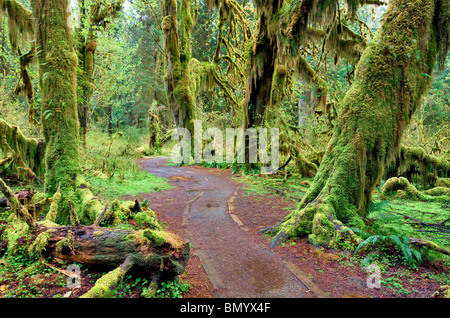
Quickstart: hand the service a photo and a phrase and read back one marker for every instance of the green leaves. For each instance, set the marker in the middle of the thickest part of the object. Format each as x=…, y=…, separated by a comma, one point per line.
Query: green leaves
x=173, y=289
x=411, y=256
x=47, y=114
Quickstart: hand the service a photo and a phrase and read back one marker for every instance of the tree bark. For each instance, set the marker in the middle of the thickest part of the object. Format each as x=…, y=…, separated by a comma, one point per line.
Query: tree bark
x=178, y=50
x=151, y=251
x=393, y=74
x=261, y=71
x=57, y=76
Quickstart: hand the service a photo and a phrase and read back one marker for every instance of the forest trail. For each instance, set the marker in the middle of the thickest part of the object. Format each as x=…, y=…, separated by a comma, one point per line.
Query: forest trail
x=237, y=265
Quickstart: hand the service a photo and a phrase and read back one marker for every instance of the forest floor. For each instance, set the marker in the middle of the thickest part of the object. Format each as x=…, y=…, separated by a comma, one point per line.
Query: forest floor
x=221, y=213
x=211, y=208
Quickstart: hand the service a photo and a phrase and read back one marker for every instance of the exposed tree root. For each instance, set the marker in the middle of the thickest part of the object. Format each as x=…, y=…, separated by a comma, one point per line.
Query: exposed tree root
x=316, y=221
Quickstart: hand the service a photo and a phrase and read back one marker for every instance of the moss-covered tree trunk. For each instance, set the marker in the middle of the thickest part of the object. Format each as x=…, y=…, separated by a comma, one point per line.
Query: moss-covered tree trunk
x=94, y=17
x=261, y=71
x=87, y=52
x=154, y=131
x=391, y=78
x=178, y=50
x=57, y=69
x=57, y=76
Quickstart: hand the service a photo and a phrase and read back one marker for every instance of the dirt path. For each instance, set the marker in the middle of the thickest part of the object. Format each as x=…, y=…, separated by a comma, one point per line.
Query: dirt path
x=229, y=258
x=236, y=264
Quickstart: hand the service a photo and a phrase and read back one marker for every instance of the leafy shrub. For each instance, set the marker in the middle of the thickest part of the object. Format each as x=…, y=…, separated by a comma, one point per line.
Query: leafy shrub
x=411, y=256
x=172, y=289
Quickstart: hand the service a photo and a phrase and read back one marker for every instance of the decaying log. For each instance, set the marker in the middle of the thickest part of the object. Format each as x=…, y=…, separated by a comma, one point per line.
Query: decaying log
x=158, y=253
x=150, y=251
x=430, y=245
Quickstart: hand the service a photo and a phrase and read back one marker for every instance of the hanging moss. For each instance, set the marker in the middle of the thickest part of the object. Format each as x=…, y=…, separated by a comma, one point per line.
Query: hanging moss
x=30, y=150
x=19, y=21
x=15, y=234
x=389, y=84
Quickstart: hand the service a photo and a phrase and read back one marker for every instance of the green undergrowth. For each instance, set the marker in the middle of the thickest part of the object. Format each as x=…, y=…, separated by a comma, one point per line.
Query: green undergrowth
x=293, y=187
x=110, y=167
x=24, y=278
x=404, y=218
x=132, y=286
x=134, y=184
x=21, y=278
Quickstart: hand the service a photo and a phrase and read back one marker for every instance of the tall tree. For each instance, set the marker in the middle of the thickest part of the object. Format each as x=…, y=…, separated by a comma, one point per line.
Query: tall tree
x=392, y=76
x=95, y=15
x=262, y=64
x=57, y=76
x=20, y=26
x=178, y=51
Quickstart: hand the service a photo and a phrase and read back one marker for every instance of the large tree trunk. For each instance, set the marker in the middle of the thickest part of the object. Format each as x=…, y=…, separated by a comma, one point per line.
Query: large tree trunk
x=178, y=50
x=391, y=78
x=57, y=68
x=260, y=74
x=57, y=76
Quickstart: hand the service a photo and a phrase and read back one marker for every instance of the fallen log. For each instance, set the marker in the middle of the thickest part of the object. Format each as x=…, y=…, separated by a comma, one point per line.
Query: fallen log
x=429, y=245
x=149, y=251
x=153, y=251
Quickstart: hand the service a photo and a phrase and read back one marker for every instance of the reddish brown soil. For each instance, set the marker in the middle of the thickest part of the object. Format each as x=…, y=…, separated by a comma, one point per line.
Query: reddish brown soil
x=331, y=271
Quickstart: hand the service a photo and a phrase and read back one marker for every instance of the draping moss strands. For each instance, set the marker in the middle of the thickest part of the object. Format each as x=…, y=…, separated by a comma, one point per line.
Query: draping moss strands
x=389, y=83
